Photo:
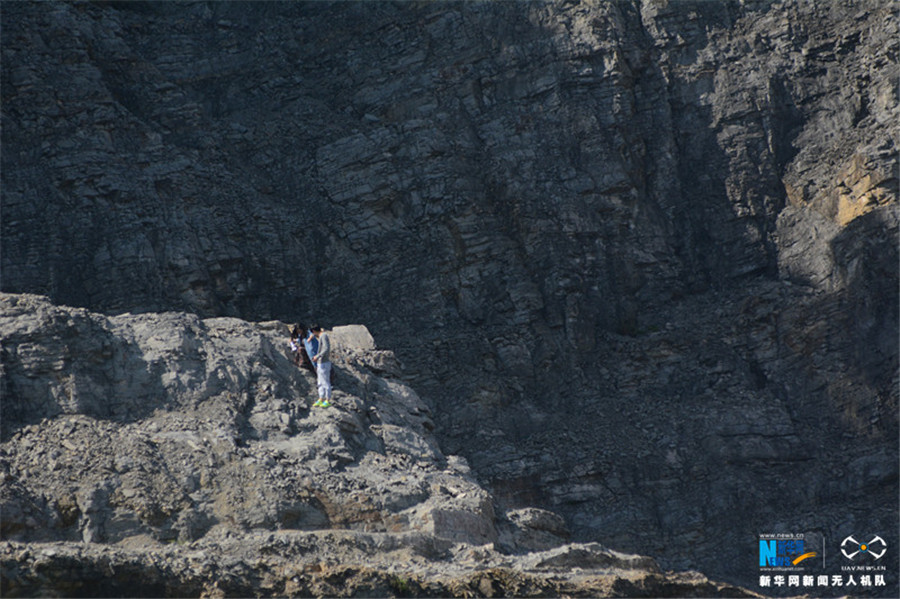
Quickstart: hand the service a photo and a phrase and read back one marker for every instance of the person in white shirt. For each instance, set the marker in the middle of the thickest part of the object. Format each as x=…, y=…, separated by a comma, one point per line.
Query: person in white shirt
x=322, y=360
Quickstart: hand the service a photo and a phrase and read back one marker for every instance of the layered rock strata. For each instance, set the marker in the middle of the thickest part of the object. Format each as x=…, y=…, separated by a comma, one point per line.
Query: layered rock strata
x=639, y=258
x=169, y=426
x=165, y=455
x=290, y=564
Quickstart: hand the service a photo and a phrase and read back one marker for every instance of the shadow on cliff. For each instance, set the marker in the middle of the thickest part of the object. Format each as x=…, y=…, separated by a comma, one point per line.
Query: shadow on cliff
x=74, y=362
x=866, y=256
x=91, y=372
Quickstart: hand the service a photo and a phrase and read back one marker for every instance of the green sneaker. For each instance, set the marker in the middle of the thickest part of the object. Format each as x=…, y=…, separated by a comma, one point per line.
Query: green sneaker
x=318, y=403
x=326, y=404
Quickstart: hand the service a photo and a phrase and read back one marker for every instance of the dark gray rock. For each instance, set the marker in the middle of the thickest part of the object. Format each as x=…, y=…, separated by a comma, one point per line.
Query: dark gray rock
x=637, y=259
x=532, y=529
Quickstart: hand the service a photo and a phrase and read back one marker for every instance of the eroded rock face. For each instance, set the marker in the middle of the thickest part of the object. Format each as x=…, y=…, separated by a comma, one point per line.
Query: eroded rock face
x=209, y=473
x=639, y=259
x=338, y=564
x=170, y=426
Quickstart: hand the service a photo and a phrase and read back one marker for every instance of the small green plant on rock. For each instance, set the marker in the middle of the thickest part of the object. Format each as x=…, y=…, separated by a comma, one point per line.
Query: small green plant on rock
x=400, y=586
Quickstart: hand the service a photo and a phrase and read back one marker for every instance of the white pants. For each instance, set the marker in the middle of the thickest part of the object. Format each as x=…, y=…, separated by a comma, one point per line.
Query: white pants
x=323, y=372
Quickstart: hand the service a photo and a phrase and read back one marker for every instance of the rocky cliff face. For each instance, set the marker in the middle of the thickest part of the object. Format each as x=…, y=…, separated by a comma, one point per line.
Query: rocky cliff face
x=179, y=399
x=174, y=456
x=638, y=258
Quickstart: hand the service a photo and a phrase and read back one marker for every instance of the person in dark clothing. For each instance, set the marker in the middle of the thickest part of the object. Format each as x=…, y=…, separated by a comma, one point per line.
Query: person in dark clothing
x=299, y=351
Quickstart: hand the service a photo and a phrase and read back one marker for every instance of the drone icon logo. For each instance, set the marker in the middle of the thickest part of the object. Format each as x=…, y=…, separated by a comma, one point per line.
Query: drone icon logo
x=850, y=547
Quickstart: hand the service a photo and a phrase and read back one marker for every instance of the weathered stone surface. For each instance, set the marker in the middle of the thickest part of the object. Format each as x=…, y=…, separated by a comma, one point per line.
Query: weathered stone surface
x=592, y=556
x=231, y=484
x=334, y=564
x=214, y=430
x=637, y=259
x=532, y=529
x=352, y=337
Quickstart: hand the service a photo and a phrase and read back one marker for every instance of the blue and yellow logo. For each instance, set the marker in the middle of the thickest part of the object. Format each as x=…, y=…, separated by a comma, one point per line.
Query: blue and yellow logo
x=790, y=552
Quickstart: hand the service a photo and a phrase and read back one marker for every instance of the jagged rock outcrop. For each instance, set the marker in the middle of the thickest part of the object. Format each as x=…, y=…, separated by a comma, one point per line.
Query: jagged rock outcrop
x=165, y=455
x=638, y=258
x=169, y=426
x=339, y=564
